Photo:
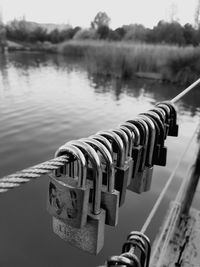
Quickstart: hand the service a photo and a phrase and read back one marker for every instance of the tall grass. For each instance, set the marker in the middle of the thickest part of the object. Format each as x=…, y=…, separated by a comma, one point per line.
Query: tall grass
x=123, y=59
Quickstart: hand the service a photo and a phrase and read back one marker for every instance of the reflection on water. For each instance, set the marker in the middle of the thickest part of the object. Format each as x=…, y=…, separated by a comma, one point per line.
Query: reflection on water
x=46, y=100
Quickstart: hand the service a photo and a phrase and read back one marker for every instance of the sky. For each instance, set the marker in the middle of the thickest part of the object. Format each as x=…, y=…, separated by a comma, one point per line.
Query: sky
x=82, y=12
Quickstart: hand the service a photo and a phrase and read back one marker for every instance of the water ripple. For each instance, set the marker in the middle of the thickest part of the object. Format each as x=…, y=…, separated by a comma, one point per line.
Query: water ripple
x=44, y=105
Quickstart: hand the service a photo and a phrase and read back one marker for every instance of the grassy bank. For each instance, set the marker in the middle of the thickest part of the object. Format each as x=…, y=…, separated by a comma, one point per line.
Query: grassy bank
x=122, y=59
x=25, y=46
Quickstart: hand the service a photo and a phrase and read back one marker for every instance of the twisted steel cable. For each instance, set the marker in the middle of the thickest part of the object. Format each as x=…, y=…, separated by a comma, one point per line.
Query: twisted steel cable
x=21, y=177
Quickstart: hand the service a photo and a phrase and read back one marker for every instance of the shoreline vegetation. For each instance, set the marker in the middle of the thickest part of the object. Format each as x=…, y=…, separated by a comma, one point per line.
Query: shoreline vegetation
x=167, y=63
x=124, y=60
x=168, y=52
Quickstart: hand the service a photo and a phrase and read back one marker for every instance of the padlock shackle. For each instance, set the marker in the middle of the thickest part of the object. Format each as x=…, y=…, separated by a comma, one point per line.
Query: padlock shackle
x=130, y=138
x=70, y=150
x=139, y=240
x=159, y=112
x=167, y=111
x=162, y=115
x=120, y=260
x=158, y=140
x=145, y=127
x=141, y=130
x=97, y=173
x=132, y=257
x=108, y=159
x=136, y=243
x=104, y=141
x=172, y=108
x=152, y=138
x=146, y=239
x=173, y=113
x=160, y=125
x=134, y=130
x=118, y=143
x=125, y=140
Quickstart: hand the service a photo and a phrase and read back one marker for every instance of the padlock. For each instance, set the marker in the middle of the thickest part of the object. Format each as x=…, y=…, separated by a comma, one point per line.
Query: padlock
x=160, y=151
x=109, y=196
x=150, y=151
x=167, y=111
x=138, y=245
x=136, y=149
x=146, y=240
x=138, y=183
x=128, y=158
x=156, y=151
x=90, y=237
x=121, y=169
x=161, y=114
x=68, y=197
x=173, y=128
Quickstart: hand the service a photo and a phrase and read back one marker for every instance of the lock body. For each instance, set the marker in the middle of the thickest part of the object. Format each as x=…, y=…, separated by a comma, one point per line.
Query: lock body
x=109, y=200
x=130, y=164
x=110, y=203
x=121, y=182
x=148, y=178
x=68, y=202
x=136, y=155
x=88, y=238
x=138, y=183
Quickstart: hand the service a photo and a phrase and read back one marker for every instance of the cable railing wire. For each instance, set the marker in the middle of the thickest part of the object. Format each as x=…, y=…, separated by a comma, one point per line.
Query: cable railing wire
x=184, y=92
x=21, y=177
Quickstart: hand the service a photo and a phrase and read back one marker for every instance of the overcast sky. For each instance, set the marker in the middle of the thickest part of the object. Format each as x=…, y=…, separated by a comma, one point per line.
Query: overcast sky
x=82, y=12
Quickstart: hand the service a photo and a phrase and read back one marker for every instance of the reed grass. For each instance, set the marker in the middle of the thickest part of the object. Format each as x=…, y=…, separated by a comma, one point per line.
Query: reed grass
x=124, y=59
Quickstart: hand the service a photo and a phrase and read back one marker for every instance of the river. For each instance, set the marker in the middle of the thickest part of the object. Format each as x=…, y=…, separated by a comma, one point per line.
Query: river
x=47, y=100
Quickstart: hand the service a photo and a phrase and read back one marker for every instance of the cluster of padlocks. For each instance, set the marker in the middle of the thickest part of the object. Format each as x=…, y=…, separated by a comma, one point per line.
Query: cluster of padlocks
x=136, y=252
x=86, y=194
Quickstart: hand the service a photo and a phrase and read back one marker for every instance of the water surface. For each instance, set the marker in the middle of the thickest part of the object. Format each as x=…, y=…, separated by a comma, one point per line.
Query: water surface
x=47, y=100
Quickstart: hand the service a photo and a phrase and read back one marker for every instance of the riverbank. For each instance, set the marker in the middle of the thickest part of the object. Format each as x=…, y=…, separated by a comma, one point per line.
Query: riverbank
x=127, y=59
x=24, y=46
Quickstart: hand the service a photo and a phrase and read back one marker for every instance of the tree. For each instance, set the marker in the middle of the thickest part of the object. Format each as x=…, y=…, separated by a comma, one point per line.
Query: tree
x=189, y=34
x=85, y=34
x=171, y=33
x=103, y=31
x=135, y=32
x=120, y=32
x=101, y=19
x=38, y=34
